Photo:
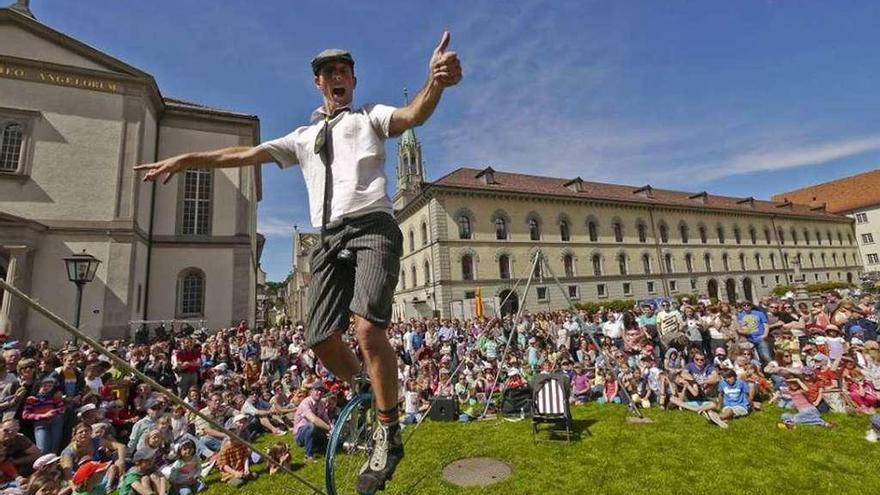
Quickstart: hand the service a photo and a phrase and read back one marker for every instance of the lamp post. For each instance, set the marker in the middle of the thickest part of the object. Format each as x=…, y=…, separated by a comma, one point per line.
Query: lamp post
x=81, y=270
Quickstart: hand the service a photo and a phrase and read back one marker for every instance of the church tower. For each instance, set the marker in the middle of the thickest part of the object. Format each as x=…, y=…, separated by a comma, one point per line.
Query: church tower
x=410, y=168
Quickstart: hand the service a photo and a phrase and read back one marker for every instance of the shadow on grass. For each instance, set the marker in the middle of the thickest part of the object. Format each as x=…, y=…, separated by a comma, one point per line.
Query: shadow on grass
x=556, y=431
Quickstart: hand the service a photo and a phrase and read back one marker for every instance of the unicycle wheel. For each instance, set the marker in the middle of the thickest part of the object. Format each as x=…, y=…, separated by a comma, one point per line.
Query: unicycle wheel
x=350, y=445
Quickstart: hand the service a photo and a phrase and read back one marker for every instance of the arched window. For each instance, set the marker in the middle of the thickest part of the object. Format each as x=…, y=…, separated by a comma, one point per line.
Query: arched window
x=737, y=235
x=839, y=238
x=10, y=147
x=191, y=293
x=849, y=238
x=568, y=265
x=807, y=237
x=500, y=229
x=781, y=234
x=534, y=229
x=664, y=232
x=646, y=263
x=703, y=237
x=412, y=242
x=834, y=259
x=415, y=282
x=707, y=260
x=812, y=260
x=785, y=260
x=720, y=234
x=424, y=234
x=824, y=260
x=844, y=259
x=828, y=234
x=818, y=237
x=670, y=268
x=683, y=230
x=767, y=234
x=689, y=262
x=772, y=261
x=642, y=230
x=758, y=261
x=725, y=262
x=753, y=234
x=538, y=271
x=794, y=236
x=593, y=230
x=197, y=194
x=427, y=273
x=597, y=265
x=564, y=231
x=742, y=261
x=621, y=263
x=504, y=266
x=467, y=267
x=464, y=227
x=402, y=280
x=617, y=227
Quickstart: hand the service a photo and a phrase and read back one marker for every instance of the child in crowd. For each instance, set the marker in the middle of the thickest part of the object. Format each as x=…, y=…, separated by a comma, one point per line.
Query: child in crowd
x=279, y=455
x=142, y=478
x=87, y=479
x=807, y=414
x=183, y=475
x=733, y=397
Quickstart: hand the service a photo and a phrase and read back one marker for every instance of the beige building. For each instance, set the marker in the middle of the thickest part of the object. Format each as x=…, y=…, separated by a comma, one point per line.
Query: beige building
x=298, y=282
x=74, y=122
x=481, y=228
x=857, y=197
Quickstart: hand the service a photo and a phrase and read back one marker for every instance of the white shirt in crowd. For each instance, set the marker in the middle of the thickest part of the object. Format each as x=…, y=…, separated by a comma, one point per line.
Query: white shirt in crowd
x=359, y=182
x=613, y=328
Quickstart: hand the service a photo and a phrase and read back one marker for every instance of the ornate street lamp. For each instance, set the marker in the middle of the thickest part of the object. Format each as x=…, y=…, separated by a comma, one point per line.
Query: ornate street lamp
x=81, y=270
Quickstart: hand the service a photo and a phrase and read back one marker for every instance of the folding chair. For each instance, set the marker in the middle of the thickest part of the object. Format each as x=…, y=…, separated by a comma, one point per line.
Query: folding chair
x=550, y=405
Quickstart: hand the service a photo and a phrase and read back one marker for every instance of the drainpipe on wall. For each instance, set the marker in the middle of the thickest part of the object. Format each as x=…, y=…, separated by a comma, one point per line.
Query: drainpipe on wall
x=663, y=274
x=150, y=230
x=779, y=249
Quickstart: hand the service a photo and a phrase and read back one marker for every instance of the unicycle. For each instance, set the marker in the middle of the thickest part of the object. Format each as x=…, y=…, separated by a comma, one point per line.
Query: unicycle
x=350, y=444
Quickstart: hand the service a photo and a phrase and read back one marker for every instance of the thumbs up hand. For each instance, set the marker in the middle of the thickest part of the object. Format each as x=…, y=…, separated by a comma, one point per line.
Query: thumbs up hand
x=445, y=69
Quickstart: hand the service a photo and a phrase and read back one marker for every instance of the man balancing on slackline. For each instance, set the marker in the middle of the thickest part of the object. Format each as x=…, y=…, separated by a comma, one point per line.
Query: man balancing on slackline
x=355, y=266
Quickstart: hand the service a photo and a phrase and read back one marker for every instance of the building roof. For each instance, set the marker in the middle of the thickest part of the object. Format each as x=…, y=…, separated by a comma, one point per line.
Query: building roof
x=841, y=195
x=190, y=105
x=577, y=188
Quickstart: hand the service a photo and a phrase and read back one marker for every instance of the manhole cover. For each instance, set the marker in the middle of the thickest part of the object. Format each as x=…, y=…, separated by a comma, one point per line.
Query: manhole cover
x=476, y=471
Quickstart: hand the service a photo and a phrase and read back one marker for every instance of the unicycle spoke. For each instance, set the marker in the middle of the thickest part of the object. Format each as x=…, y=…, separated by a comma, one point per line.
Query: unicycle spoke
x=349, y=446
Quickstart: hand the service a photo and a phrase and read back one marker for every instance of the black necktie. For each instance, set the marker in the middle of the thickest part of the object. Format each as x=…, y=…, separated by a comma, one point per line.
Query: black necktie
x=324, y=147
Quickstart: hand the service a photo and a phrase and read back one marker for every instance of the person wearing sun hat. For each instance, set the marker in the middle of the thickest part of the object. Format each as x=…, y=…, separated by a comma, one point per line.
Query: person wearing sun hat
x=87, y=479
x=807, y=414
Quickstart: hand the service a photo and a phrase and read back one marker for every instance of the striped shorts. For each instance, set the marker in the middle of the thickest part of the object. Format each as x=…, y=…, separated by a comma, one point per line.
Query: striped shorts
x=362, y=286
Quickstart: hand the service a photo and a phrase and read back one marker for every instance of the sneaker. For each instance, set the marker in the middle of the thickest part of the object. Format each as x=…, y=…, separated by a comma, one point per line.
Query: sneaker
x=387, y=453
x=715, y=418
x=206, y=468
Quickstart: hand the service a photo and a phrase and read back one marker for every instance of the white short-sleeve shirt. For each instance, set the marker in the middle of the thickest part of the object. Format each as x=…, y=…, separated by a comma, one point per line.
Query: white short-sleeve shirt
x=359, y=181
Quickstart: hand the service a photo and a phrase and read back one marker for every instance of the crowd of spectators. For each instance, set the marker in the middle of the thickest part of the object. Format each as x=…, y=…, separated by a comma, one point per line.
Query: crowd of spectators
x=75, y=422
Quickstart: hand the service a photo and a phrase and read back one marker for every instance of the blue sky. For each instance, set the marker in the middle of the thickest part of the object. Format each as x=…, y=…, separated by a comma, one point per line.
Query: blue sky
x=740, y=98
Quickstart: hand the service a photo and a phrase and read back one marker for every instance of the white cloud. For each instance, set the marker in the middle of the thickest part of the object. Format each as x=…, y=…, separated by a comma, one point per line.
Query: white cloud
x=274, y=227
x=791, y=156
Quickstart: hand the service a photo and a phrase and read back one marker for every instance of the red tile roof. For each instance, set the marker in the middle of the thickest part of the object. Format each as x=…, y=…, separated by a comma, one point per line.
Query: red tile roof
x=841, y=195
x=469, y=178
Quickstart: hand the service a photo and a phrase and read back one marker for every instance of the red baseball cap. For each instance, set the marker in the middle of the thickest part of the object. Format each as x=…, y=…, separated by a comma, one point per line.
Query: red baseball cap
x=87, y=469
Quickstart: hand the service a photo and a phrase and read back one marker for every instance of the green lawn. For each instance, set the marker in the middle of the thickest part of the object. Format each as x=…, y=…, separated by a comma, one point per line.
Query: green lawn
x=678, y=453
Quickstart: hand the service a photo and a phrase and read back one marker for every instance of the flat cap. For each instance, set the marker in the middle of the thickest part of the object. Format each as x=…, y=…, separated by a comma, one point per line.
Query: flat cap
x=331, y=55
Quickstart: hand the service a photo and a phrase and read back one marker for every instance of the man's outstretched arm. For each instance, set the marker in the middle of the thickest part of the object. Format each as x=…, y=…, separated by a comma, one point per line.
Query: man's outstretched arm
x=444, y=71
x=242, y=156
